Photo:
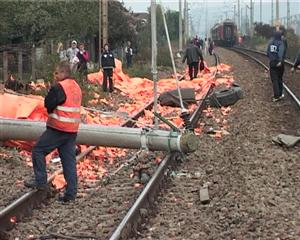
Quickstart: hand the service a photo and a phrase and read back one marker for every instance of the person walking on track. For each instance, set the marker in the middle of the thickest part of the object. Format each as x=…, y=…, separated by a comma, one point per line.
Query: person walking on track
x=63, y=103
x=275, y=52
x=192, y=55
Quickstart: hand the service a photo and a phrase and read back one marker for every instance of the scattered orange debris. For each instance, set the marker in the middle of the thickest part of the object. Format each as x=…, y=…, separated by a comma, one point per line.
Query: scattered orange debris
x=59, y=181
x=140, y=90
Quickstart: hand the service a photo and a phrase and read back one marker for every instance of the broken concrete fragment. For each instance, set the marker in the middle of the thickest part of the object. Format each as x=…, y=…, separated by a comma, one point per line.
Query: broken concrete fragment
x=286, y=140
x=204, y=196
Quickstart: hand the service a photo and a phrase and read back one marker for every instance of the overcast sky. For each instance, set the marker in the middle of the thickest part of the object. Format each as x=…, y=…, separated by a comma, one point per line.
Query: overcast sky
x=217, y=9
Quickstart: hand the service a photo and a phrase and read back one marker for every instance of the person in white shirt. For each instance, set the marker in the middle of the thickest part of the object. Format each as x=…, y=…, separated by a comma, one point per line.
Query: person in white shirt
x=72, y=56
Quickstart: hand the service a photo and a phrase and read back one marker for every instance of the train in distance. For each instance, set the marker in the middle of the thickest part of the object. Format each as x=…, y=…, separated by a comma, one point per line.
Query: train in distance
x=225, y=33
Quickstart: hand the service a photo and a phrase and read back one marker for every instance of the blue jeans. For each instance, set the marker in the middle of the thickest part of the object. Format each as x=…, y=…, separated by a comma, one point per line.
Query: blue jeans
x=65, y=143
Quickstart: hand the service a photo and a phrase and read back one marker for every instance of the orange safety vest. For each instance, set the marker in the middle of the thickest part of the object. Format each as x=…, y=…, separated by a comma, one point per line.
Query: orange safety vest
x=66, y=117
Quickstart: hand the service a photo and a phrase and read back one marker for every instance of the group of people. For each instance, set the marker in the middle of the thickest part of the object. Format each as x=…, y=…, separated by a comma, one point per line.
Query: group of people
x=276, y=52
x=194, y=57
x=78, y=58
x=206, y=45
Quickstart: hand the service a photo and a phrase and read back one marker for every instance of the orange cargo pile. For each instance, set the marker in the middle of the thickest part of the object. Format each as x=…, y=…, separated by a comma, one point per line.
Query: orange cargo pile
x=140, y=90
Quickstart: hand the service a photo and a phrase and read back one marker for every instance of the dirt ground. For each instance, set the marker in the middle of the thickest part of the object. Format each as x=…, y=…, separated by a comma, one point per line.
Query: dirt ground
x=253, y=184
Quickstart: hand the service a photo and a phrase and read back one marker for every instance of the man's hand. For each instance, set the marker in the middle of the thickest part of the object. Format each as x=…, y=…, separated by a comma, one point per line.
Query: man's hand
x=279, y=64
x=292, y=69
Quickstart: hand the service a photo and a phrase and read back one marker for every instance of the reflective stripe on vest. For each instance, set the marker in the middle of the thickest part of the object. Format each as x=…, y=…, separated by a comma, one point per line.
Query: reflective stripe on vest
x=65, y=119
x=68, y=109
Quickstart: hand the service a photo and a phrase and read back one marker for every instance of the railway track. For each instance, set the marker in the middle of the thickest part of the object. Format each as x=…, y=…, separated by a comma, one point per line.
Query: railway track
x=120, y=188
x=242, y=171
x=292, y=87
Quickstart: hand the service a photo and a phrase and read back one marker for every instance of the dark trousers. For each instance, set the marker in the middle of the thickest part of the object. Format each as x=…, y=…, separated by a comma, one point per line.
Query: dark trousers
x=276, y=74
x=193, y=69
x=65, y=143
x=128, y=60
x=107, y=75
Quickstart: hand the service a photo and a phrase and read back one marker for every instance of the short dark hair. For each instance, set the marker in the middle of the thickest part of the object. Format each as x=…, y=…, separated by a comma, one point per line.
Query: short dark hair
x=64, y=66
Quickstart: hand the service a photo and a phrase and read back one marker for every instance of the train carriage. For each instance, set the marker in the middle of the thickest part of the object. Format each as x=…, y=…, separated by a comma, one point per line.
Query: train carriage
x=224, y=34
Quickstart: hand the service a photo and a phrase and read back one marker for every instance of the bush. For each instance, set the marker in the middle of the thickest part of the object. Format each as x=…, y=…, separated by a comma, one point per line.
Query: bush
x=140, y=69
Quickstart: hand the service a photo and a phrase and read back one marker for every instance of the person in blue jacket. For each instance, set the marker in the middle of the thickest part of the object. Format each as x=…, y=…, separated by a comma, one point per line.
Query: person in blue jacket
x=275, y=52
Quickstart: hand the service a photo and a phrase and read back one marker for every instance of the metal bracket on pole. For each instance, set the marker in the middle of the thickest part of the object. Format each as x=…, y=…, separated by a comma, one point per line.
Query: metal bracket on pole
x=144, y=142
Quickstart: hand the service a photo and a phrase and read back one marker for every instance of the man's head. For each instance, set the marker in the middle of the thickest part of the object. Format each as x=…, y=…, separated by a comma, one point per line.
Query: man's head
x=62, y=71
x=74, y=44
x=106, y=47
x=128, y=43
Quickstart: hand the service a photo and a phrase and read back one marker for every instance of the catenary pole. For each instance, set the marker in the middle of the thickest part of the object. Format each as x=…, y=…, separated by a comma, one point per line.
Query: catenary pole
x=272, y=12
x=180, y=25
x=107, y=136
x=277, y=13
x=154, y=57
x=239, y=16
x=260, y=11
x=100, y=31
x=288, y=14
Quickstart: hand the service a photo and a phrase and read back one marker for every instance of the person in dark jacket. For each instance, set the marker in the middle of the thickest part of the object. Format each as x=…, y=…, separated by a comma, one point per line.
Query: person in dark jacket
x=63, y=103
x=128, y=54
x=108, y=65
x=275, y=52
x=83, y=57
x=211, y=46
x=296, y=63
x=192, y=55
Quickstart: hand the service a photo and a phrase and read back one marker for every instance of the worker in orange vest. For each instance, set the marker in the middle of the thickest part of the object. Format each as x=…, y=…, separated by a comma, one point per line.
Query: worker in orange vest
x=63, y=104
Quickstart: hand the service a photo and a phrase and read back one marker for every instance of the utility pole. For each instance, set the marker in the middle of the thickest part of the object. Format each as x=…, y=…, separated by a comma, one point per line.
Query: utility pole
x=187, y=21
x=242, y=22
x=100, y=31
x=260, y=11
x=180, y=26
x=288, y=15
x=105, y=21
x=234, y=13
x=239, y=16
x=206, y=20
x=154, y=57
x=277, y=13
x=272, y=12
x=247, y=25
x=251, y=17
x=184, y=20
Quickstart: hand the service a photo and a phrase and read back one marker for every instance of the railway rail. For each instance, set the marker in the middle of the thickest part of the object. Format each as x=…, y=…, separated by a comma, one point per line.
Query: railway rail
x=23, y=206
x=261, y=59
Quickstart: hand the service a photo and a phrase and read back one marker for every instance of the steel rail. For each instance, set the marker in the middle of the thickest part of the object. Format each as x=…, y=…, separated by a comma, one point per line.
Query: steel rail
x=24, y=205
x=286, y=88
x=134, y=216
x=131, y=221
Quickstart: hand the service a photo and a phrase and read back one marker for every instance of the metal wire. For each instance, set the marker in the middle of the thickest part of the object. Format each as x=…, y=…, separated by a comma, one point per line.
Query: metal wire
x=172, y=58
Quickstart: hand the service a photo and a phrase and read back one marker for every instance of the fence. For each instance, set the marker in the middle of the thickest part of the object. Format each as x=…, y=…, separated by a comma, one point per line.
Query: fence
x=18, y=61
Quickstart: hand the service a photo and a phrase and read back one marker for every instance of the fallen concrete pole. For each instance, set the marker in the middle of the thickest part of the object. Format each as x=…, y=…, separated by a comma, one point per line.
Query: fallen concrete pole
x=122, y=137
